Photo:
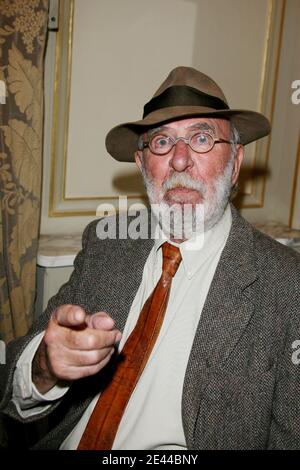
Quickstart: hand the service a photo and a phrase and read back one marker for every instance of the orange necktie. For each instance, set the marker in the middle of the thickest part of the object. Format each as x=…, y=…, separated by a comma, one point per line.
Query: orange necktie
x=103, y=424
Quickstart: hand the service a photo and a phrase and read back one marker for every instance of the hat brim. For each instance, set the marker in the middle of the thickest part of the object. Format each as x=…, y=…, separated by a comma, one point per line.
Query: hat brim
x=122, y=141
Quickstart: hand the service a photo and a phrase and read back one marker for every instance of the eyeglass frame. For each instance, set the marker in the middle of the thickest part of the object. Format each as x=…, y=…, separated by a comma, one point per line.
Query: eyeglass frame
x=187, y=141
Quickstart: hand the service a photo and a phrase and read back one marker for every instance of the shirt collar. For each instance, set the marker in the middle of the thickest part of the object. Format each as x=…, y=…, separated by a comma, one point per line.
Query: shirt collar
x=199, y=249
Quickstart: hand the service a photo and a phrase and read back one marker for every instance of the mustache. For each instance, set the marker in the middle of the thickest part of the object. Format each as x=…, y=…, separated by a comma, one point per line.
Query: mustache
x=182, y=180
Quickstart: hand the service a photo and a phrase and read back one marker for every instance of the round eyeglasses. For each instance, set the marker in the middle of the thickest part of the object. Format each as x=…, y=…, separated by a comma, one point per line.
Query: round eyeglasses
x=201, y=142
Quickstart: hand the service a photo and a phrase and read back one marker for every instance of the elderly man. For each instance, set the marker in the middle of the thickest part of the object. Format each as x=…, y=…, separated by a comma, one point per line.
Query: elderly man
x=168, y=344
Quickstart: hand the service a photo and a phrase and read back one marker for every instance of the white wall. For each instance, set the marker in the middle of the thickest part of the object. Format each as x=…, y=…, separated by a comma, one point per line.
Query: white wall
x=121, y=51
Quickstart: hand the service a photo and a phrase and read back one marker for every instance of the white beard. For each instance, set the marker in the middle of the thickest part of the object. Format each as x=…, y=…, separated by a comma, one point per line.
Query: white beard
x=183, y=221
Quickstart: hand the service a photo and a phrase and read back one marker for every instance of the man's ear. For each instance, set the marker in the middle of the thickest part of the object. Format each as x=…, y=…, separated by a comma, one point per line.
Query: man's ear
x=138, y=155
x=237, y=164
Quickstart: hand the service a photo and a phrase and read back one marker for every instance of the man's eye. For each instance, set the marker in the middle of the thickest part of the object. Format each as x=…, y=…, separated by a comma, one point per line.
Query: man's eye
x=201, y=138
x=160, y=141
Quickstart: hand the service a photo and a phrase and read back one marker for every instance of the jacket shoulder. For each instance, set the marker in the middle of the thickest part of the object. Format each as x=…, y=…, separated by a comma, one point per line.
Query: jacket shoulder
x=275, y=254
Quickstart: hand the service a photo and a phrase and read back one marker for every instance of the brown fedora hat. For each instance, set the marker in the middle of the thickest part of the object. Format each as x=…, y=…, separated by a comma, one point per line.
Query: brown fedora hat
x=186, y=92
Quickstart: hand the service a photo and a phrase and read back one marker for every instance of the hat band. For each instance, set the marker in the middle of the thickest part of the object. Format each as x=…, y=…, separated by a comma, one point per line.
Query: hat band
x=182, y=95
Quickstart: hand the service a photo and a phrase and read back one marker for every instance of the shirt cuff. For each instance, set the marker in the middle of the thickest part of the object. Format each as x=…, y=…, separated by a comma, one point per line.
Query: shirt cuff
x=27, y=399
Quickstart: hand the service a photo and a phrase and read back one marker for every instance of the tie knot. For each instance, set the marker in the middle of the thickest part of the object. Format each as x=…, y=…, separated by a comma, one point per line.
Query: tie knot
x=171, y=258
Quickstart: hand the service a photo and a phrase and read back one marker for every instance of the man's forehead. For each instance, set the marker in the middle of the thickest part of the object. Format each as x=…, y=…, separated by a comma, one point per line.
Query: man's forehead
x=203, y=123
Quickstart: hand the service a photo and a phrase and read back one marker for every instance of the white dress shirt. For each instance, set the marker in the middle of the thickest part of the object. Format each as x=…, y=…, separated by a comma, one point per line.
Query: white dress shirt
x=152, y=418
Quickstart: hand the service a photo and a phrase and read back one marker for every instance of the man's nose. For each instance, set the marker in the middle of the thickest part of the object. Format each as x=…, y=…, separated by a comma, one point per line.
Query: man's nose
x=181, y=156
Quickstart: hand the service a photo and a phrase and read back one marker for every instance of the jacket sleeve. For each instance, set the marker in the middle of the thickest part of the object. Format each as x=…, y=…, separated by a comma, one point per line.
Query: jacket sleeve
x=68, y=294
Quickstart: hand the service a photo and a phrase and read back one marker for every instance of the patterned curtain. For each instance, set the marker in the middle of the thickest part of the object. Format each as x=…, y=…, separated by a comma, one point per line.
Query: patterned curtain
x=23, y=30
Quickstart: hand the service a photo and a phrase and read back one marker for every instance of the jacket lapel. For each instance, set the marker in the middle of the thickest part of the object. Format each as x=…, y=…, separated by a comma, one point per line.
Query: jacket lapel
x=226, y=313
x=122, y=274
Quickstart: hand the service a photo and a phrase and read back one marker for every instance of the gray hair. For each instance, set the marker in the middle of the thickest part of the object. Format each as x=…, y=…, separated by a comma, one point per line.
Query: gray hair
x=140, y=144
x=235, y=141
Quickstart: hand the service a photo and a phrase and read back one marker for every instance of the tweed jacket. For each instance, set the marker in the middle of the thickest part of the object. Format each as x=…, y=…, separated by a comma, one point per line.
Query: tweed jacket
x=242, y=385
